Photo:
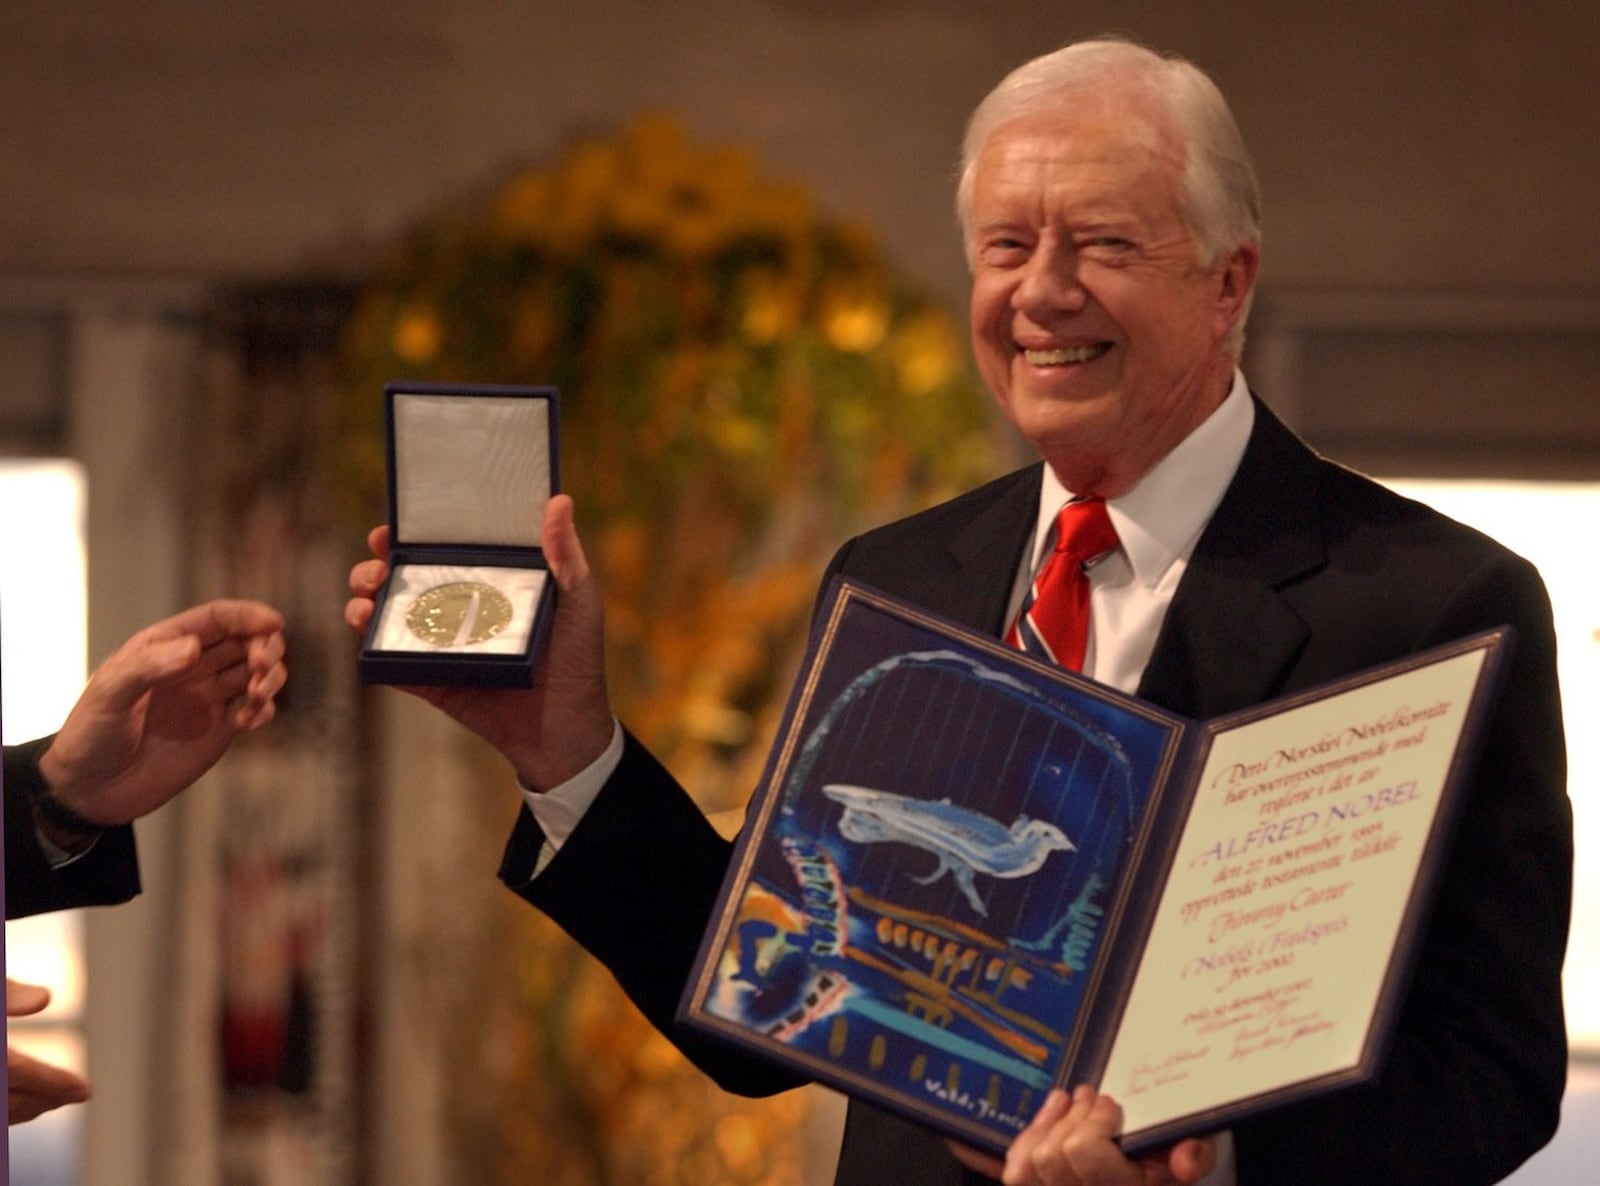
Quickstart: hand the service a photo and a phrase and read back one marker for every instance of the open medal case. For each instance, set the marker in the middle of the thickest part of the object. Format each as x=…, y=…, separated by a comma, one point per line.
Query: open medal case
x=469, y=597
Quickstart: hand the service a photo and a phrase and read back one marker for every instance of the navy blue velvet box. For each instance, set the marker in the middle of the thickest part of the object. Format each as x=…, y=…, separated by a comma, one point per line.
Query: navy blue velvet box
x=469, y=597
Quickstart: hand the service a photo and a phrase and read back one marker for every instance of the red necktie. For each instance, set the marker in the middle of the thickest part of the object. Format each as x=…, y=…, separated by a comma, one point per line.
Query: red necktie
x=1053, y=623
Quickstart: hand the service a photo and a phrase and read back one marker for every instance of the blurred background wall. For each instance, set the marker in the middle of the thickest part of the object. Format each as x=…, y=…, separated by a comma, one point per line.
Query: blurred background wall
x=1431, y=145
x=1430, y=305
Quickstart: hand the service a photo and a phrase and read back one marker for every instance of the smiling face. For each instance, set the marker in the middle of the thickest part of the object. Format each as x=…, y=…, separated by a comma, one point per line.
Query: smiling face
x=1096, y=323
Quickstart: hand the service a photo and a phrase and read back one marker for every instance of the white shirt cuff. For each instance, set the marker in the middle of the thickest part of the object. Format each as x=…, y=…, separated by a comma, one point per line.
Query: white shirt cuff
x=559, y=810
x=60, y=858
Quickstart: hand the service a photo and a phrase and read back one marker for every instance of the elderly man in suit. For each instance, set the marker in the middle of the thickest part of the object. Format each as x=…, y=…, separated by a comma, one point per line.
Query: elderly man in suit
x=1110, y=217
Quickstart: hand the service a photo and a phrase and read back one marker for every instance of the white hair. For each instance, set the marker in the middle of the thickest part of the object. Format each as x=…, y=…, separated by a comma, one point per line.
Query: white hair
x=1222, y=203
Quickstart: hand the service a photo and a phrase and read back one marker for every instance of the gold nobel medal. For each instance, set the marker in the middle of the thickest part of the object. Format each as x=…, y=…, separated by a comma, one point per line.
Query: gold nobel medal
x=459, y=613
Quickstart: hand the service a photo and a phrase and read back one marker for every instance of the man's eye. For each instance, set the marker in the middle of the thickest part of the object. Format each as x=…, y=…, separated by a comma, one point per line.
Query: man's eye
x=1004, y=250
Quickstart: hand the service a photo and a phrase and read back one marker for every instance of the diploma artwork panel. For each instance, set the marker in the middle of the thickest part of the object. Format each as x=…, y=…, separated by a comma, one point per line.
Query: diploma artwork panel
x=941, y=843
x=967, y=877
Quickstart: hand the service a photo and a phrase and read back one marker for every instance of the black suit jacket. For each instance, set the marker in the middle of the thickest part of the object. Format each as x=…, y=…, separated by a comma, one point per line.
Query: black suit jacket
x=108, y=873
x=1306, y=572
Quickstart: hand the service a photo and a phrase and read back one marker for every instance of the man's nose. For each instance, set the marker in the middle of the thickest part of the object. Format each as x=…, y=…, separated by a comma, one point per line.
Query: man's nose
x=1051, y=282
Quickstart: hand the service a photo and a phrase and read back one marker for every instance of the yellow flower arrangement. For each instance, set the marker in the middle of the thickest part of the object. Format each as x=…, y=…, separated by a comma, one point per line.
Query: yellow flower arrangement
x=744, y=382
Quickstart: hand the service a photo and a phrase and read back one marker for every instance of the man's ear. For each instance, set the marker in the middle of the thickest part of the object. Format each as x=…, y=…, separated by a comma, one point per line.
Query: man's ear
x=1235, y=280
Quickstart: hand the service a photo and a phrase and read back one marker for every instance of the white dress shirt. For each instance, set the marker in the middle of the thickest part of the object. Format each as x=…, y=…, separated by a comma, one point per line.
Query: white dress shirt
x=1158, y=523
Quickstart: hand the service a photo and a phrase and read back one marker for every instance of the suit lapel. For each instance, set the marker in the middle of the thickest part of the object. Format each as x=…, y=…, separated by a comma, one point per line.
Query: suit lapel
x=1229, y=637
x=987, y=552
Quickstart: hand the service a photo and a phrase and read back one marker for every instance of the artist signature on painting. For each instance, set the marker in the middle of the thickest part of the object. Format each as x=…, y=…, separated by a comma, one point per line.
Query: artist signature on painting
x=976, y=1105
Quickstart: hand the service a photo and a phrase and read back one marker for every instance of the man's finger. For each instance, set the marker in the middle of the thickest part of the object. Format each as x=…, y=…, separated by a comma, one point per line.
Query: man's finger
x=268, y=675
x=357, y=613
x=249, y=714
x=37, y=1087
x=1055, y=1106
x=138, y=667
x=233, y=664
x=367, y=577
x=562, y=547
x=215, y=620
x=1192, y=1159
x=24, y=999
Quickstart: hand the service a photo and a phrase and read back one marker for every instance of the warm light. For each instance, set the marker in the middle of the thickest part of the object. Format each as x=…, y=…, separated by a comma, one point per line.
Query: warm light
x=42, y=634
x=45, y=950
x=57, y=1045
x=43, y=658
x=43, y=649
x=1552, y=524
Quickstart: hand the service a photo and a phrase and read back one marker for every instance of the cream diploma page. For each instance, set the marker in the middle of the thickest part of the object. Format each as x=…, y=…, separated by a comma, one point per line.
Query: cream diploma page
x=1271, y=948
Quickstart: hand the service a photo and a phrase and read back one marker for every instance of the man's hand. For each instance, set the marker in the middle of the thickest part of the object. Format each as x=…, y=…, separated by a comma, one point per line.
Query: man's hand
x=557, y=728
x=1071, y=1142
x=162, y=709
x=35, y=1087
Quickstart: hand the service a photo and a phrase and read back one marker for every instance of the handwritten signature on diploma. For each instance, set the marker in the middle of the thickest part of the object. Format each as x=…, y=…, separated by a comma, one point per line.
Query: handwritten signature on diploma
x=1174, y=1068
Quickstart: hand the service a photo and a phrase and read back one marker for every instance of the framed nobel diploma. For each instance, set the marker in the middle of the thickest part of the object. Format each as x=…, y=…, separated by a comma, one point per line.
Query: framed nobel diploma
x=469, y=598
x=967, y=877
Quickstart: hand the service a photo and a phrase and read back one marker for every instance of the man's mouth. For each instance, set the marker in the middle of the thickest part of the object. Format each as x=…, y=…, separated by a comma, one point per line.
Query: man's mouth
x=1066, y=356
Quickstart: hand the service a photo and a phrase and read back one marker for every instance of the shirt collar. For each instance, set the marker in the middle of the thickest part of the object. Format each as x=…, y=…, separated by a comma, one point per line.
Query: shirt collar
x=1161, y=517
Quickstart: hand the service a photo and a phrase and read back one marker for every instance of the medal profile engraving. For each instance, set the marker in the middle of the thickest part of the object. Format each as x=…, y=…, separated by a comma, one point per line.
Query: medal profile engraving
x=459, y=613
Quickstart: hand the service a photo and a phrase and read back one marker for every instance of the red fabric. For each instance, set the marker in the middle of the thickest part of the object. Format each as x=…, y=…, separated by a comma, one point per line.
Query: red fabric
x=1054, y=621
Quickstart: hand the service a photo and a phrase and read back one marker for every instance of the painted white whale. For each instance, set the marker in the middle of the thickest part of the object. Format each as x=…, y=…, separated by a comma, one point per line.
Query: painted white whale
x=964, y=841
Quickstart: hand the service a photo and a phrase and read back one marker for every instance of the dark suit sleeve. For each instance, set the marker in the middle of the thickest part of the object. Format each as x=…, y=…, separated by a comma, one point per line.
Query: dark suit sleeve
x=1473, y=1083
x=635, y=885
x=107, y=874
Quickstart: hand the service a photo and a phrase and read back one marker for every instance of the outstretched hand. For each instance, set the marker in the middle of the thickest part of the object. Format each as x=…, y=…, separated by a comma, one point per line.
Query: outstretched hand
x=164, y=707
x=35, y=1087
x=1071, y=1142
x=556, y=728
